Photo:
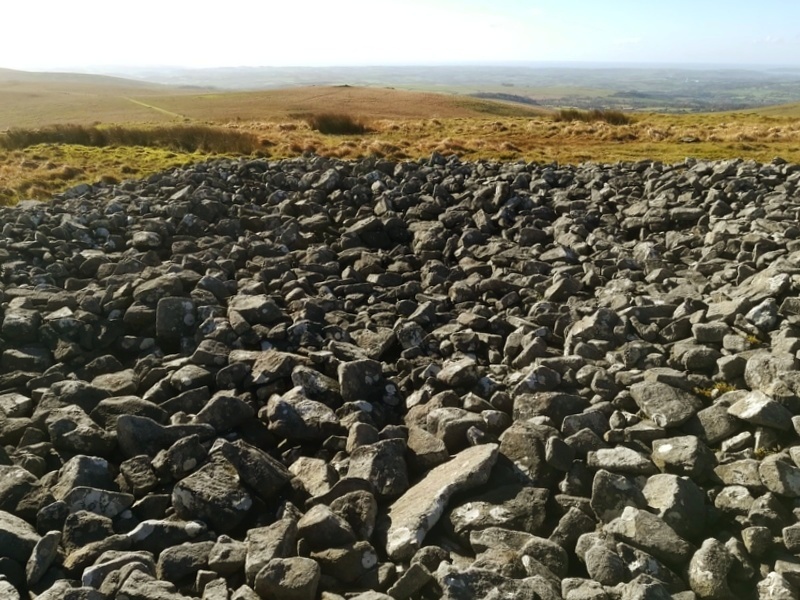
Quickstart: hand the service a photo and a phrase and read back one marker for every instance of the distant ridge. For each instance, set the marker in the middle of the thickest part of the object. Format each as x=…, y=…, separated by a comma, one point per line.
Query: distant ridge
x=52, y=78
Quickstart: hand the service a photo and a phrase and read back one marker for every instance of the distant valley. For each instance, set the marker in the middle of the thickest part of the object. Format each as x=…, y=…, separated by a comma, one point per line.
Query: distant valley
x=655, y=89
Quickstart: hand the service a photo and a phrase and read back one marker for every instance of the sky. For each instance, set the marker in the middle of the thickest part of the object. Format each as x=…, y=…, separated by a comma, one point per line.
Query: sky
x=87, y=34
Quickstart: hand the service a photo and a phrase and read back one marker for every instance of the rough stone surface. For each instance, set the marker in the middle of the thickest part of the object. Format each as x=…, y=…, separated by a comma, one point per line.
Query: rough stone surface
x=415, y=512
x=428, y=379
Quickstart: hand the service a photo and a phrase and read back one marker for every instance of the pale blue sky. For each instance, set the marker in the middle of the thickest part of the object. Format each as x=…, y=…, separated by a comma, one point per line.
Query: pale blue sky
x=59, y=34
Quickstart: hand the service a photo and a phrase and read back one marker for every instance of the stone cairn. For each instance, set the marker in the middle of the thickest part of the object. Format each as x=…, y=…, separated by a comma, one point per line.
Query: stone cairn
x=310, y=378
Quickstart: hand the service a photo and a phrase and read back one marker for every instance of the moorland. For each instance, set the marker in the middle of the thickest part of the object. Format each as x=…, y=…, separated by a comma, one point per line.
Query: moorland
x=61, y=129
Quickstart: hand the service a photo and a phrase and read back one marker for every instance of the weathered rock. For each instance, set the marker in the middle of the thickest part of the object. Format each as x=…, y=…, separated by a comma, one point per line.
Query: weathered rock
x=759, y=409
x=665, y=405
x=295, y=417
x=611, y=493
x=42, y=556
x=679, y=502
x=17, y=538
x=294, y=578
x=383, y=465
x=347, y=563
x=651, y=534
x=213, y=494
x=708, y=571
x=321, y=528
x=361, y=380
x=278, y=540
x=780, y=475
x=415, y=512
x=176, y=563
x=519, y=508
x=684, y=455
x=380, y=316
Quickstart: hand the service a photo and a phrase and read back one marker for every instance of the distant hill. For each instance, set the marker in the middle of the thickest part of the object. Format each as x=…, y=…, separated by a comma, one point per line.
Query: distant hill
x=100, y=83
x=780, y=110
x=36, y=99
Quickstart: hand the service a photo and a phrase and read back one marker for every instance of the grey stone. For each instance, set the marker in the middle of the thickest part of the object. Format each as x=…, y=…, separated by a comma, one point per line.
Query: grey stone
x=621, y=460
x=142, y=586
x=555, y=405
x=684, y=455
x=383, y=465
x=213, y=494
x=257, y=469
x=650, y=533
x=315, y=475
x=604, y=565
x=175, y=318
x=102, y=502
x=154, y=535
x=225, y=412
x=759, y=409
x=791, y=538
x=255, y=310
x=612, y=493
x=278, y=540
x=176, y=563
x=294, y=578
x=424, y=450
x=779, y=475
x=410, y=582
x=141, y=435
x=361, y=380
x=295, y=417
x=574, y=523
x=43, y=555
x=740, y=472
x=347, y=563
x=360, y=510
x=182, y=458
x=451, y=424
x=763, y=368
x=776, y=587
x=519, y=508
x=679, y=502
x=17, y=538
x=321, y=528
x=665, y=405
x=459, y=373
x=415, y=512
x=709, y=569
x=227, y=556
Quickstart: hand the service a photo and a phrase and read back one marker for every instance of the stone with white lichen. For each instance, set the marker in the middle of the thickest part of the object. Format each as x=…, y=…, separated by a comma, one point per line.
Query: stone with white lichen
x=413, y=515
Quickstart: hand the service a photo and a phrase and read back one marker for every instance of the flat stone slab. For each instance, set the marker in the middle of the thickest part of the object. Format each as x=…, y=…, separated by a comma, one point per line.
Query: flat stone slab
x=417, y=511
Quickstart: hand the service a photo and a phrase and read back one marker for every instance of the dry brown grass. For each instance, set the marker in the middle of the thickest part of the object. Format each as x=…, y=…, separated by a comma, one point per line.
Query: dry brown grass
x=403, y=125
x=33, y=103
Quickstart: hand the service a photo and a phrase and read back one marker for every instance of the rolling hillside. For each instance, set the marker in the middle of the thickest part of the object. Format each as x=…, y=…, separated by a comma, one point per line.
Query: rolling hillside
x=37, y=99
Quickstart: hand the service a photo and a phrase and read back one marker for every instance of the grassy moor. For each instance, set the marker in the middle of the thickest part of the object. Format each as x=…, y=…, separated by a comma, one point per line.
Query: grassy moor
x=58, y=130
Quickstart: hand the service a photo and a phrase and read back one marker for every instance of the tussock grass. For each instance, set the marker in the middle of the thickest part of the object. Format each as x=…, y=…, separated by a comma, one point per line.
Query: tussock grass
x=336, y=124
x=188, y=138
x=612, y=117
x=36, y=171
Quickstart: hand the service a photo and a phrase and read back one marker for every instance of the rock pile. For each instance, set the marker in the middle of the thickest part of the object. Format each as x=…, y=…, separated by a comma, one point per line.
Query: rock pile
x=436, y=379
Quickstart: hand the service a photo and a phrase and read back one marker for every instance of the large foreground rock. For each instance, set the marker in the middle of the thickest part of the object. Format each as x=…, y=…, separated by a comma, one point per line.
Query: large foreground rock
x=417, y=511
